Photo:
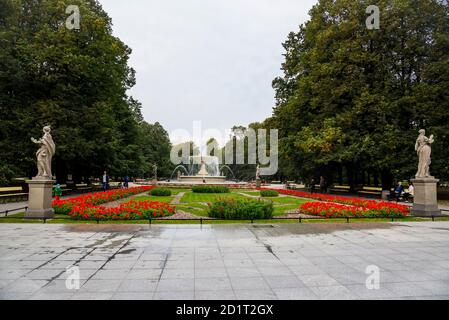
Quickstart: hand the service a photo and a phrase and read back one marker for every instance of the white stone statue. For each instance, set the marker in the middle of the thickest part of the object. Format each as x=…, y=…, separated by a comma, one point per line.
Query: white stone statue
x=257, y=172
x=155, y=171
x=203, y=170
x=423, y=149
x=45, y=154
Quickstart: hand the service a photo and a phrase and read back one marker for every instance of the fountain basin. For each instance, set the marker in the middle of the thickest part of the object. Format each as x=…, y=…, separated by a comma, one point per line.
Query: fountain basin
x=202, y=179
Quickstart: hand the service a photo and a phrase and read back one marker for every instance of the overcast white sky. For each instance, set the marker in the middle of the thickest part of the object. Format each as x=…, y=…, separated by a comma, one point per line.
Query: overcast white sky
x=207, y=60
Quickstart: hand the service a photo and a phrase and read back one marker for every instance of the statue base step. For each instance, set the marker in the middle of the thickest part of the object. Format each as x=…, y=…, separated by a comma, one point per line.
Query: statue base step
x=425, y=197
x=40, y=199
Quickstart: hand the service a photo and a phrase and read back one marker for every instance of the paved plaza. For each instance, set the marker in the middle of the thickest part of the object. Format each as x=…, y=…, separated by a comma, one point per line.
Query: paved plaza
x=288, y=261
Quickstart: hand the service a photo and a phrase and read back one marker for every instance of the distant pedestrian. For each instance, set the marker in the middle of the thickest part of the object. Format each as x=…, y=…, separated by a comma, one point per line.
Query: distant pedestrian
x=105, y=181
x=322, y=185
x=312, y=186
x=126, y=180
x=57, y=192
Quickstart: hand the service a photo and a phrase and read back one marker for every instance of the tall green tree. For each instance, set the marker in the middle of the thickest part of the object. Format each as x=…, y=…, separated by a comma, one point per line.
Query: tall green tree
x=351, y=100
x=74, y=80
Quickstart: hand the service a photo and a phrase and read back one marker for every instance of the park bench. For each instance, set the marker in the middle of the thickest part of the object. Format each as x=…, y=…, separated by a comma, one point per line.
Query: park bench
x=83, y=187
x=375, y=192
x=9, y=194
x=291, y=185
x=340, y=189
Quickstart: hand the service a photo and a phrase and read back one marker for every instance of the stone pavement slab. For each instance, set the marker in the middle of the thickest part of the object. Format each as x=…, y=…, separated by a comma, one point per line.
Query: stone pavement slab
x=286, y=261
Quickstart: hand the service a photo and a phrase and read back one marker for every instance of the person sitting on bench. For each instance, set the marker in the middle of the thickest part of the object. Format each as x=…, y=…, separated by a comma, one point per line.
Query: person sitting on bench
x=410, y=192
x=398, y=191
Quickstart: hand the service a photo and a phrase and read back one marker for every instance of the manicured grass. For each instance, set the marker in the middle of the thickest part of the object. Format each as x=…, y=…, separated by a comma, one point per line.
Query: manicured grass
x=190, y=197
x=280, y=210
x=250, y=193
x=167, y=199
x=193, y=208
x=289, y=200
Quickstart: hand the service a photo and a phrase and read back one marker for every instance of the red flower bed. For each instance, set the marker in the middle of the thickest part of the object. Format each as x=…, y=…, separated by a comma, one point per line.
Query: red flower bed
x=337, y=210
x=96, y=198
x=331, y=210
x=332, y=207
x=131, y=210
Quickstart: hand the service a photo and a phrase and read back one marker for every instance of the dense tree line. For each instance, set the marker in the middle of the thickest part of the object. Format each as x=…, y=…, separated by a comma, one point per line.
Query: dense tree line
x=351, y=100
x=76, y=81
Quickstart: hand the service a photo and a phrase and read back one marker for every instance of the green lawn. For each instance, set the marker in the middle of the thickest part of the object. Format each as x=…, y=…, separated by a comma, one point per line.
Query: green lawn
x=191, y=197
x=154, y=198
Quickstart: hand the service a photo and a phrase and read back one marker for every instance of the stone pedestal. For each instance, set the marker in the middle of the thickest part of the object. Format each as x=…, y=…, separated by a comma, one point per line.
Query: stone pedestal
x=425, y=197
x=258, y=184
x=39, y=199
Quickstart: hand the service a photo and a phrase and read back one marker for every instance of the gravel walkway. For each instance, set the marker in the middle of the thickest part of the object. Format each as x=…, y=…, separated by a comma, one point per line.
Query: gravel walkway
x=177, y=198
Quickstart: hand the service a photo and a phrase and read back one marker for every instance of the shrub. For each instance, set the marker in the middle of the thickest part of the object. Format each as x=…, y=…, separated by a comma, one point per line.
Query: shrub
x=160, y=192
x=210, y=189
x=269, y=193
x=241, y=209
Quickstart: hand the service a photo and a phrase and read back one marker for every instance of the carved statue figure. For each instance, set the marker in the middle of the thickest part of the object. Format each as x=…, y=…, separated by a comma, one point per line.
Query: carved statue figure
x=45, y=154
x=423, y=149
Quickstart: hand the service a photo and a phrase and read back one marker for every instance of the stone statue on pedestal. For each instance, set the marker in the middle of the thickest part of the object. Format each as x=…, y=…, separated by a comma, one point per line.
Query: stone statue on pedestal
x=203, y=170
x=155, y=171
x=40, y=187
x=45, y=154
x=258, y=184
x=425, y=193
x=423, y=149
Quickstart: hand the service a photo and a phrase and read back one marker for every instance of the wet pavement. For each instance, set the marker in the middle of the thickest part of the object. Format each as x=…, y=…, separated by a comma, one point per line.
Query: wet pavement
x=287, y=261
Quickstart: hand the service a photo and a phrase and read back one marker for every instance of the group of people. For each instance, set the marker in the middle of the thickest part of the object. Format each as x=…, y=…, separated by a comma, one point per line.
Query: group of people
x=105, y=182
x=323, y=185
x=400, y=192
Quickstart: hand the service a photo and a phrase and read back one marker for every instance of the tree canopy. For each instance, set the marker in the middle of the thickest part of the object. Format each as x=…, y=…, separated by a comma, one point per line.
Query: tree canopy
x=351, y=100
x=76, y=81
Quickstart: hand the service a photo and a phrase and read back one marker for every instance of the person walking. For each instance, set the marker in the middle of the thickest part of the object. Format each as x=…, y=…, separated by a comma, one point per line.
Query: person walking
x=105, y=181
x=57, y=192
x=126, y=180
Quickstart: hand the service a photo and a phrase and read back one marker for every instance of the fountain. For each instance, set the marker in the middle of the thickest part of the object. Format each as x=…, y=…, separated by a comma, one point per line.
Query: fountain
x=200, y=170
x=203, y=169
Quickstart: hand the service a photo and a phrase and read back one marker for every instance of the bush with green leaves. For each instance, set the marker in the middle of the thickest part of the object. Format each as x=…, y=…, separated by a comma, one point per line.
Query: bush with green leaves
x=241, y=209
x=210, y=189
x=269, y=193
x=160, y=192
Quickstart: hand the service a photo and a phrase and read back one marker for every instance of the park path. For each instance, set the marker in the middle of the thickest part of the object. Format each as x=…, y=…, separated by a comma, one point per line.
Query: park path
x=177, y=198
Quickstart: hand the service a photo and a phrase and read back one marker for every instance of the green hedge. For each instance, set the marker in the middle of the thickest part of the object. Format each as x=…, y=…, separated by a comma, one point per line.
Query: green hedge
x=269, y=193
x=160, y=192
x=241, y=209
x=210, y=189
